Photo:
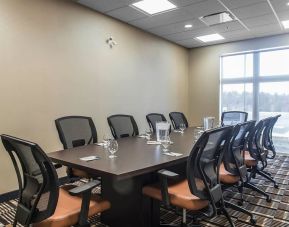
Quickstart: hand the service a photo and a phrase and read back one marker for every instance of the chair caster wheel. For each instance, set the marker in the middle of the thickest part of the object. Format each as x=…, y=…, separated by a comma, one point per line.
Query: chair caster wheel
x=269, y=200
x=276, y=186
x=240, y=203
x=253, y=221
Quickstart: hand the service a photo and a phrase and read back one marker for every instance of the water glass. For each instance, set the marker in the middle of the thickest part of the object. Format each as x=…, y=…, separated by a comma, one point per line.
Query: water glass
x=197, y=134
x=165, y=142
x=106, y=139
x=148, y=133
x=112, y=148
x=182, y=127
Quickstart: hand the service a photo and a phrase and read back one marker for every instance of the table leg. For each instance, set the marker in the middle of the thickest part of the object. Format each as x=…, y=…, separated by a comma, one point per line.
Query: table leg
x=129, y=208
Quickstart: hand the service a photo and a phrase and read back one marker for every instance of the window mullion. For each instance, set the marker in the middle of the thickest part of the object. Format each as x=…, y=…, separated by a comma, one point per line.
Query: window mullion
x=256, y=76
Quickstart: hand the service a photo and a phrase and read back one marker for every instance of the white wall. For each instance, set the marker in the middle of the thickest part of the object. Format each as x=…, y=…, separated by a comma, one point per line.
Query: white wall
x=55, y=62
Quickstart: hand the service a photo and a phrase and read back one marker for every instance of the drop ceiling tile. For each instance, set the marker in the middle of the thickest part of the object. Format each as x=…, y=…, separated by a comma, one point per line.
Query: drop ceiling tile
x=236, y=34
x=280, y=5
x=233, y=4
x=284, y=15
x=189, y=43
x=268, y=28
x=227, y=27
x=105, y=5
x=253, y=10
x=204, y=8
x=177, y=27
x=170, y=17
x=190, y=34
x=238, y=38
x=264, y=34
x=255, y=14
x=126, y=14
x=182, y=3
x=260, y=20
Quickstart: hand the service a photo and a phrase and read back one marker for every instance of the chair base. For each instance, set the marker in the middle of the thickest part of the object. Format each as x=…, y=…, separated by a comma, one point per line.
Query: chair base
x=255, y=188
x=255, y=170
x=225, y=212
x=268, y=177
x=240, y=209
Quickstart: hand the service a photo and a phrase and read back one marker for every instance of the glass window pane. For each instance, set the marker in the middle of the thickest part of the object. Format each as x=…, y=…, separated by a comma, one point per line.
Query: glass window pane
x=237, y=66
x=273, y=100
x=237, y=97
x=274, y=63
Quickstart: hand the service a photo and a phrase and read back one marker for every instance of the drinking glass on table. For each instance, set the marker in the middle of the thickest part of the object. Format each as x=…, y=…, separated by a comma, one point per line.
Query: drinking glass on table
x=197, y=133
x=112, y=148
x=148, y=133
x=182, y=128
x=165, y=142
x=106, y=139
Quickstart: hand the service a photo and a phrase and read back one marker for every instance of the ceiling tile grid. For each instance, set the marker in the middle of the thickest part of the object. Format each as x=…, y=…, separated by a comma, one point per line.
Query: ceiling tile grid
x=254, y=18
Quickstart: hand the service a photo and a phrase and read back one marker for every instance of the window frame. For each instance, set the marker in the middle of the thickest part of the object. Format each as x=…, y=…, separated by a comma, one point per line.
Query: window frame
x=256, y=79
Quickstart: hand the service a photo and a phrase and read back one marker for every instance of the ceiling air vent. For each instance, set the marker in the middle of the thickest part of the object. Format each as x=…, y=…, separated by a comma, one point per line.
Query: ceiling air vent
x=217, y=18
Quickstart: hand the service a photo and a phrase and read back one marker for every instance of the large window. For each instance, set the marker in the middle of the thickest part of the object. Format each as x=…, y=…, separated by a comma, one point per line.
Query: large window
x=258, y=83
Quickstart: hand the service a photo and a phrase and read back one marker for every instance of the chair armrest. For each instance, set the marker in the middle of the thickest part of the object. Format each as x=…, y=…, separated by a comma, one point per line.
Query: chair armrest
x=164, y=175
x=168, y=174
x=84, y=188
x=85, y=192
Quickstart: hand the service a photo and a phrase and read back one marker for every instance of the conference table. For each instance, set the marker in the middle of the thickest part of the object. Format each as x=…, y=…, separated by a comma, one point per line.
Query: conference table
x=123, y=177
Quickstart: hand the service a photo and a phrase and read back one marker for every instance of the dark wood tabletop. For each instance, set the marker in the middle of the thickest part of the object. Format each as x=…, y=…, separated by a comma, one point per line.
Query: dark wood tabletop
x=134, y=156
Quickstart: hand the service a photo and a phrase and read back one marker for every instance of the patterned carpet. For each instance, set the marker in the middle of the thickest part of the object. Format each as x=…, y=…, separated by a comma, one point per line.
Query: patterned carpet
x=271, y=214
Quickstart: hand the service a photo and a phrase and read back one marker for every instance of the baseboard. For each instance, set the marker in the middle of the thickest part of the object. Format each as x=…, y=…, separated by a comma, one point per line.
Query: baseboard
x=14, y=194
x=8, y=196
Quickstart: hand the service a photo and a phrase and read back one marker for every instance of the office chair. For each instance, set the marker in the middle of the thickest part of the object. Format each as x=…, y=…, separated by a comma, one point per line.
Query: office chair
x=233, y=117
x=41, y=201
x=256, y=155
x=178, y=118
x=153, y=118
x=122, y=126
x=233, y=170
x=75, y=131
x=201, y=192
x=268, y=139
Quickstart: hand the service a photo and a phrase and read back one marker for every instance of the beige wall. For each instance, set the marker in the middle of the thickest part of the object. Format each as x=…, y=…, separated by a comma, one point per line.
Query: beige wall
x=204, y=73
x=54, y=62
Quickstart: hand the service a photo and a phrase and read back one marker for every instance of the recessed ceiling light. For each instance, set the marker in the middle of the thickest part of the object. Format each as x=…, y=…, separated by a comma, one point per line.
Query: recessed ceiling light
x=154, y=6
x=188, y=26
x=210, y=38
x=287, y=3
x=285, y=23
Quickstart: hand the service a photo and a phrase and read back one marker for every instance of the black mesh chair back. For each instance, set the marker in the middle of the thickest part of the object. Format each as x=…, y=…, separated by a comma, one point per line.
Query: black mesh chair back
x=153, y=118
x=122, y=126
x=233, y=117
x=37, y=179
x=233, y=157
x=268, y=139
x=204, y=162
x=75, y=131
x=178, y=118
x=255, y=141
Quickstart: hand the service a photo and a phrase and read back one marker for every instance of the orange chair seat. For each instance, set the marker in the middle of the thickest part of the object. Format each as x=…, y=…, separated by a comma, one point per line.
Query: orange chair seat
x=68, y=208
x=249, y=160
x=179, y=194
x=226, y=177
